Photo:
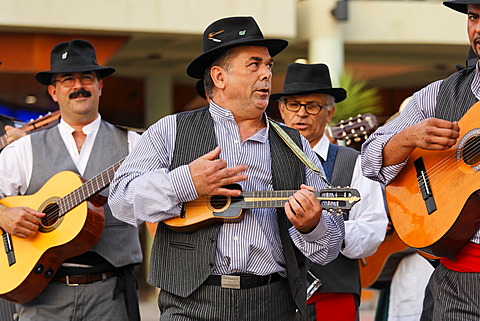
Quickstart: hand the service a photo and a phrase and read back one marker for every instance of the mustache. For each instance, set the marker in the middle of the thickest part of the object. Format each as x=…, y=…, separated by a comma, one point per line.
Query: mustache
x=81, y=92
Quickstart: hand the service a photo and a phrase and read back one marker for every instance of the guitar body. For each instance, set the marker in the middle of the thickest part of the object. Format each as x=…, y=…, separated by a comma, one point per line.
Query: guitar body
x=206, y=211
x=388, y=254
x=439, y=212
x=38, y=258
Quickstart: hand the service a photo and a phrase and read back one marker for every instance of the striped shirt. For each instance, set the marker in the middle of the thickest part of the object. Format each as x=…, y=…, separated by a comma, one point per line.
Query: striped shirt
x=145, y=190
x=421, y=106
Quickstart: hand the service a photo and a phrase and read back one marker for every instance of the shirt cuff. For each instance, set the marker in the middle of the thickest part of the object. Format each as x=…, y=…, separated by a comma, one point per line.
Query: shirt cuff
x=317, y=232
x=182, y=184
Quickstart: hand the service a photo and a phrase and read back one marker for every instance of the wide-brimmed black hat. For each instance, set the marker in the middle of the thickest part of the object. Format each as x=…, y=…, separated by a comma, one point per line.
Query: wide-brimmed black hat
x=227, y=33
x=302, y=79
x=460, y=5
x=76, y=55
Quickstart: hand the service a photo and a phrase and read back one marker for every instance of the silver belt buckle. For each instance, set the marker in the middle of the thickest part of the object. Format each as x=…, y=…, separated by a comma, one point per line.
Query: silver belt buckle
x=68, y=281
x=230, y=281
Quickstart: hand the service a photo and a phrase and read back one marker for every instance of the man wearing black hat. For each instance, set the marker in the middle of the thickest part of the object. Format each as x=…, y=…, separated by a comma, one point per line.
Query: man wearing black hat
x=430, y=122
x=308, y=104
x=253, y=269
x=99, y=284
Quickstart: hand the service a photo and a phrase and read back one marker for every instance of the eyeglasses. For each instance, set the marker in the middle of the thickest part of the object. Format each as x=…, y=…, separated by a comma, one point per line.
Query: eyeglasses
x=68, y=81
x=310, y=108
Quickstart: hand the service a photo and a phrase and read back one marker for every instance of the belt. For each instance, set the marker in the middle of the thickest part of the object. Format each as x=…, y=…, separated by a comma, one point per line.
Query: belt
x=242, y=281
x=74, y=280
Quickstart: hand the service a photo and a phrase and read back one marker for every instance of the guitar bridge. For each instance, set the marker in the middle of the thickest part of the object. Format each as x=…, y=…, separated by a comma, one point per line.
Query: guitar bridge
x=424, y=184
x=7, y=243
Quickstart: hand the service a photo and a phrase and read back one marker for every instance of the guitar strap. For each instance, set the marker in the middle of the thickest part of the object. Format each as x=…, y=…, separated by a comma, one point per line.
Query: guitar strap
x=297, y=151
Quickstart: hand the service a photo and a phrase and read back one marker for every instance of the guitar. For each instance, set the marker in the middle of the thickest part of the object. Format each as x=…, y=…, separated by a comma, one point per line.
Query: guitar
x=434, y=201
x=43, y=122
x=381, y=265
x=355, y=129
x=205, y=211
x=72, y=225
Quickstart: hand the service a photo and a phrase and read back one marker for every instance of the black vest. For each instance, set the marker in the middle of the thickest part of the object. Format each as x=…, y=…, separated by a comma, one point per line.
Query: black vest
x=182, y=261
x=455, y=95
x=342, y=275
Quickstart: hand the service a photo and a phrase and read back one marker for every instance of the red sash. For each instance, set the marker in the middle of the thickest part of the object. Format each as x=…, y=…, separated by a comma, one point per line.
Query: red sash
x=465, y=260
x=334, y=306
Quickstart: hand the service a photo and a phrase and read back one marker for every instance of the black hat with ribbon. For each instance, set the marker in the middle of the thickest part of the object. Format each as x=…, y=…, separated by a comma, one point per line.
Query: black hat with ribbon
x=460, y=5
x=303, y=79
x=77, y=55
x=227, y=33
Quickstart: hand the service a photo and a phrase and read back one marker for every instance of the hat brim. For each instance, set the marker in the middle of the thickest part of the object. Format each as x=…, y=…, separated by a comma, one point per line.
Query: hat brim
x=460, y=6
x=196, y=69
x=45, y=77
x=338, y=93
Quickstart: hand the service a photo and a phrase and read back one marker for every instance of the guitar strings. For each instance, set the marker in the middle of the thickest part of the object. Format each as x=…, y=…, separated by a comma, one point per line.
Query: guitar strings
x=445, y=166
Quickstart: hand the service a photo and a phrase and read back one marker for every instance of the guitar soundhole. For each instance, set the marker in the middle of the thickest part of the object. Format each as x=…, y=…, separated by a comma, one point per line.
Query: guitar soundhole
x=51, y=219
x=471, y=151
x=218, y=202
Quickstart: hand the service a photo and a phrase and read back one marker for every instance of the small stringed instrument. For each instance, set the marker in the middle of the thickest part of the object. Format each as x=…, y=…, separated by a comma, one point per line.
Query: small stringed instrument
x=434, y=201
x=43, y=122
x=72, y=225
x=205, y=211
x=355, y=129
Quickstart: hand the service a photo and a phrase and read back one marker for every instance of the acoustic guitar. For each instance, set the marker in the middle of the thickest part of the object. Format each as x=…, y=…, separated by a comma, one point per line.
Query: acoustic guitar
x=72, y=225
x=434, y=201
x=205, y=211
x=381, y=265
x=42, y=122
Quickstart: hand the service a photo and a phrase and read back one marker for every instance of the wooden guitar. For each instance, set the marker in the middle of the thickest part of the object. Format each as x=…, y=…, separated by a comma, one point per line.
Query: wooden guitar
x=355, y=129
x=434, y=201
x=205, y=211
x=382, y=264
x=70, y=227
x=43, y=122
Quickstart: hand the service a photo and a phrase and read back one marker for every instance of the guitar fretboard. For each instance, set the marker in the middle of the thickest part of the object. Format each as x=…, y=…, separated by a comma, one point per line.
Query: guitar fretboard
x=276, y=199
x=88, y=189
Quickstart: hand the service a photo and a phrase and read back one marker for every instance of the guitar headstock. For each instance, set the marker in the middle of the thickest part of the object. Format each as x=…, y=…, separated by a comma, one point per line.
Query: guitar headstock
x=48, y=120
x=355, y=129
x=338, y=199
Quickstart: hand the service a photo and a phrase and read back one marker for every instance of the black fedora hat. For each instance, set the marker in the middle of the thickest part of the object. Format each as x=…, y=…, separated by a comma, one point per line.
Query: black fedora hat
x=227, y=33
x=460, y=5
x=302, y=79
x=76, y=55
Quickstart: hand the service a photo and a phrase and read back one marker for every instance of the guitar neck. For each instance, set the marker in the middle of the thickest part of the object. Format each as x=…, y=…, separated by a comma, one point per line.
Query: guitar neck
x=88, y=189
x=275, y=199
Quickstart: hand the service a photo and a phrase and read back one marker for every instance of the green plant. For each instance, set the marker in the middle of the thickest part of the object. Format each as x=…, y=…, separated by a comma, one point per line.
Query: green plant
x=361, y=98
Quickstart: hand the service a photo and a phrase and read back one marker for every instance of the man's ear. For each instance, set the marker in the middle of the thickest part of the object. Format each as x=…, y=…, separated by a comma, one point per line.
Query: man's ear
x=330, y=114
x=217, y=73
x=281, y=110
x=52, y=90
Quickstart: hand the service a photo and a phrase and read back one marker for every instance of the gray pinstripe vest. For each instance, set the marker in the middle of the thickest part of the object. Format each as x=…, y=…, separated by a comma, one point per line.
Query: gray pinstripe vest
x=342, y=275
x=181, y=262
x=455, y=95
x=119, y=243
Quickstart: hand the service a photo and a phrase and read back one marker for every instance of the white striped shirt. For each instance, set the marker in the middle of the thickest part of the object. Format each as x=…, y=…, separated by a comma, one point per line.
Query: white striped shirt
x=421, y=106
x=145, y=190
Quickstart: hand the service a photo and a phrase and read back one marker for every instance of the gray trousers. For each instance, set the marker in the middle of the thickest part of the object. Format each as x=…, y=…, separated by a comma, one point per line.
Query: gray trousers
x=452, y=296
x=7, y=310
x=74, y=303
x=271, y=302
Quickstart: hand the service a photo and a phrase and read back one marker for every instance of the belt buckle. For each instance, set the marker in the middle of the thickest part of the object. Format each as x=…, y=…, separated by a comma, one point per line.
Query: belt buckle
x=68, y=282
x=230, y=282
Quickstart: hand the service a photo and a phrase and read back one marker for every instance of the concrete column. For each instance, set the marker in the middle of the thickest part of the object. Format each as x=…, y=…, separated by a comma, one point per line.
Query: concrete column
x=159, y=98
x=325, y=43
